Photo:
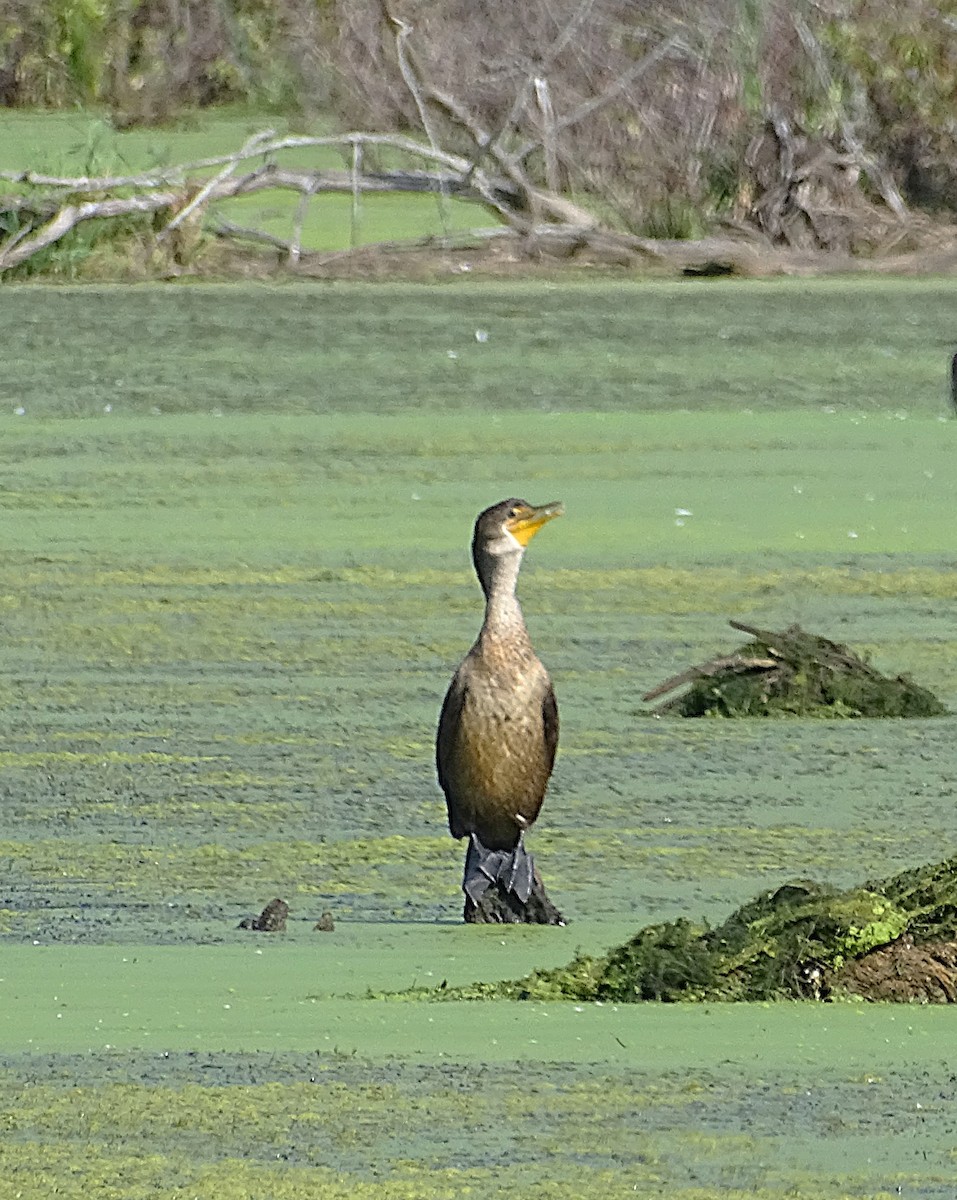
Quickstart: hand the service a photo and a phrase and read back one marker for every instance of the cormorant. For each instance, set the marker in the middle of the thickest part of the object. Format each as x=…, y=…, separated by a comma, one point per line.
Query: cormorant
x=498, y=730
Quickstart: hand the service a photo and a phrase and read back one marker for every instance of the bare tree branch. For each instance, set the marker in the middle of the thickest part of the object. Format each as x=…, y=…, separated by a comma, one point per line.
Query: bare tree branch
x=209, y=187
x=295, y=245
x=355, y=211
x=177, y=174
x=543, y=95
x=542, y=65
x=403, y=33
x=73, y=214
x=614, y=89
x=222, y=228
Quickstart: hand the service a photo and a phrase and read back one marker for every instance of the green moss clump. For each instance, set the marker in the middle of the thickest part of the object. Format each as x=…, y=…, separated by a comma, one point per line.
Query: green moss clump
x=929, y=895
x=775, y=947
x=790, y=943
x=794, y=673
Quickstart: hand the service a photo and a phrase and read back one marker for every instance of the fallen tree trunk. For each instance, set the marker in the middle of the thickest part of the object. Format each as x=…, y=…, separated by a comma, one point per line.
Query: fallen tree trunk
x=55, y=205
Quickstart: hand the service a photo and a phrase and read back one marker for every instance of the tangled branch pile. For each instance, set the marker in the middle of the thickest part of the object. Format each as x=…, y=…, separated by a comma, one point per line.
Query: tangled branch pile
x=808, y=127
x=167, y=208
x=793, y=673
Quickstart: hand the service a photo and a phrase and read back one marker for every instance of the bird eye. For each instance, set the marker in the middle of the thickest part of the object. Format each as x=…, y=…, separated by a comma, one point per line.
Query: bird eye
x=513, y=511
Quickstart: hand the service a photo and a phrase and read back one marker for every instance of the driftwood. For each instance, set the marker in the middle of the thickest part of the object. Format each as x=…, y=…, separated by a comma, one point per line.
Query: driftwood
x=56, y=204
x=792, y=673
x=181, y=196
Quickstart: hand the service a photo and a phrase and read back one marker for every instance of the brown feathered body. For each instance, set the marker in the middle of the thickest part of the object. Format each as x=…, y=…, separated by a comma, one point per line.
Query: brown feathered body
x=498, y=730
x=497, y=738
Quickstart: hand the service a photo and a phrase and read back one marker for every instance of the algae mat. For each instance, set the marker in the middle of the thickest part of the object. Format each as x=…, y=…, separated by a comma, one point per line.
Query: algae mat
x=227, y=632
x=154, y=1090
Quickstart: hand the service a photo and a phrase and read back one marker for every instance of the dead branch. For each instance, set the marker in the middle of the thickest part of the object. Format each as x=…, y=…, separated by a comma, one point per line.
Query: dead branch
x=403, y=32
x=228, y=229
x=614, y=89
x=177, y=174
x=46, y=219
x=73, y=214
x=493, y=142
x=420, y=89
x=209, y=187
x=730, y=662
x=355, y=210
x=543, y=98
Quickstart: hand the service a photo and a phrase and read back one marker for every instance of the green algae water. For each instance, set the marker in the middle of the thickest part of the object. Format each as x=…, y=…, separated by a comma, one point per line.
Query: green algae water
x=234, y=586
x=233, y=1070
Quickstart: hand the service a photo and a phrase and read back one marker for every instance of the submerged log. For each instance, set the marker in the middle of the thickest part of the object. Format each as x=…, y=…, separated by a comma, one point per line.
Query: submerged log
x=793, y=673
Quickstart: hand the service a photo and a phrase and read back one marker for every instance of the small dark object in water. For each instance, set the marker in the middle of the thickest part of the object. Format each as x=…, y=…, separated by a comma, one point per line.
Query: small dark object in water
x=325, y=924
x=953, y=384
x=711, y=268
x=272, y=919
x=797, y=674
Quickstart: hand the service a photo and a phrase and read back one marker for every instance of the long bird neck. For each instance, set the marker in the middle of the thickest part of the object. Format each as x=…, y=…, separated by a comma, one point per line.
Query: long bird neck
x=503, y=613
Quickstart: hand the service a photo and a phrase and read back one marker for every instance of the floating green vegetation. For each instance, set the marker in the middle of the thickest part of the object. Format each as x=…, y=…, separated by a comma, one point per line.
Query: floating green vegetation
x=794, y=942
x=354, y=866
x=337, y=1127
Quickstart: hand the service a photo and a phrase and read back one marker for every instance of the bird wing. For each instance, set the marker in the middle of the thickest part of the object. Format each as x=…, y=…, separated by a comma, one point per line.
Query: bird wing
x=448, y=721
x=550, y=722
x=453, y=771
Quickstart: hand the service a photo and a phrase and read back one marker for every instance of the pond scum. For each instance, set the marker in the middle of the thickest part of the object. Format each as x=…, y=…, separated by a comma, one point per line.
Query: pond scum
x=801, y=941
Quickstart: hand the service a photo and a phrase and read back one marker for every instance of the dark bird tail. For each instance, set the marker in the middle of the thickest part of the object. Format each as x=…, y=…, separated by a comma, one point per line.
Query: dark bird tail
x=512, y=870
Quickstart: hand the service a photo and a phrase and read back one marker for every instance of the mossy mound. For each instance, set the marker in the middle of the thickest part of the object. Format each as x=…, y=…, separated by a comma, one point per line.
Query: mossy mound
x=801, y=941
x=793, y=673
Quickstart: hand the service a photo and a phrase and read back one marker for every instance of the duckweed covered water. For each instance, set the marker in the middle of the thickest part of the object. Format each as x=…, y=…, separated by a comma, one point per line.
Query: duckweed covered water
x=226, y=638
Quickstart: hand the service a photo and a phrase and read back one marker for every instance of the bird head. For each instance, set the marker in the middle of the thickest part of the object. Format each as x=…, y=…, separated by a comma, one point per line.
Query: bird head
x=506, y=529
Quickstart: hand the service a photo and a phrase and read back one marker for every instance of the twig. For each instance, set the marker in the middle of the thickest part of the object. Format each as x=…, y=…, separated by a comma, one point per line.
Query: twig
x=224, y=228
x=404, y=31
x=731, y=662
x=18, y=237
x=248, y=149
x=614, y=89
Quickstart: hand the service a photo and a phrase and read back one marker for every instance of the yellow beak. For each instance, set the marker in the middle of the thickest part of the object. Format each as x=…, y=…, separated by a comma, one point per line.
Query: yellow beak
x=527, y=523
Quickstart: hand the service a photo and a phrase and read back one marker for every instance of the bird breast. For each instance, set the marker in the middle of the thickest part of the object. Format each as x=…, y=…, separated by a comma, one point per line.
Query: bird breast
x=499, y=764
